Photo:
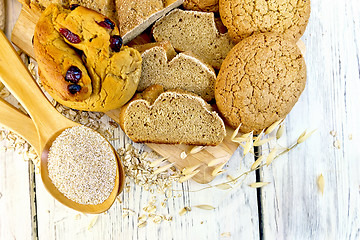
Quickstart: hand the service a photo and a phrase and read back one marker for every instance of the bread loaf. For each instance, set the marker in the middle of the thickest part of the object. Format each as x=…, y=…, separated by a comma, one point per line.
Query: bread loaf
x=100, y=74
x=105, y=7
x=184, y=71
x=171, y=117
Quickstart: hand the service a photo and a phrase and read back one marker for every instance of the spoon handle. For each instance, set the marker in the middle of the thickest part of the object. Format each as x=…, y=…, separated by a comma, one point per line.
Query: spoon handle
x=17, y=79
x=19, y=123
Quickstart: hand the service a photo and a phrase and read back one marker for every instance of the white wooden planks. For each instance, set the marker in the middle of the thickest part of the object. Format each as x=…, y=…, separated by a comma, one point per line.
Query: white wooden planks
x=293, y=208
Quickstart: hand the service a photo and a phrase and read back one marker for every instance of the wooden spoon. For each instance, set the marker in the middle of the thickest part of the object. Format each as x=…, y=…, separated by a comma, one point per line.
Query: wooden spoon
x=19, y=123
x=48, y=121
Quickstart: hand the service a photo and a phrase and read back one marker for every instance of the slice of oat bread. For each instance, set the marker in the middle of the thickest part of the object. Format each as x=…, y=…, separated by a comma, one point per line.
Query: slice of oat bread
x=184, y=71
x=196, y=32
x=172, y=117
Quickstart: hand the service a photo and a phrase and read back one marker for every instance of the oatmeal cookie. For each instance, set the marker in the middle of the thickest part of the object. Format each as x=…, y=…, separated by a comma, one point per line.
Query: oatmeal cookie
x=260, y=81
x=245, y=17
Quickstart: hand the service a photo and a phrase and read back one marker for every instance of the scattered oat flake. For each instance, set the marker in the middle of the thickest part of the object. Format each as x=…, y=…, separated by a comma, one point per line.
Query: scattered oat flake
x=196, y=149
x=92, y=222
x=321, y=183
x=258, y=184
x=235, y=132
x=336, y=144
x=272, y=127
x=184, y=210
x=77, y=216
x=142, y=218
x=223, y=186
x=205, y=207
x=350, y=136
x=257, y=162
x=225, y=234
x=333, y=133
x=142, y=224
x=157, y=219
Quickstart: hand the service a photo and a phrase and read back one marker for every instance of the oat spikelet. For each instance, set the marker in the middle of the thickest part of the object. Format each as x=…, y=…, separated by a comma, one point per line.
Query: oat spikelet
x=270, y=158
x=205, y=207
x=272, y=127
x=163, y=168
x=258, y=138
x=258, y=184
x=304, y=136
x=321, y=183
x=257, y=162
x=217, y=161
x=223, y=186
x=92, y=222
x=262, y=142
x=187, y=177
x=239, y=140
x=221, y=172
x=196, y=149
x=248, y=145
x=157, y=162
x=230, y=178
x=280, y=131
x=218, y=169
x=189, y=170
x=235, y=132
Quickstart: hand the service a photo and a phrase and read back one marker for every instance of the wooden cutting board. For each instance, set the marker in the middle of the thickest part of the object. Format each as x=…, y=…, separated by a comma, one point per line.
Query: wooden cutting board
x=22, y=36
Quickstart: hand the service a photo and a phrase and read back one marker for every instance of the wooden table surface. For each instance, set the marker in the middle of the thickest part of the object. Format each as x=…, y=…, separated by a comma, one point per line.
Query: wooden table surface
x=290, y=207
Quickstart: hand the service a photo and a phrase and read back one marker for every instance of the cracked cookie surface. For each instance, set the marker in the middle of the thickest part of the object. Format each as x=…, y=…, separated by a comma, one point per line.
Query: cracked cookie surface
x=245, y=17
x=80, y=65
x=260, y=81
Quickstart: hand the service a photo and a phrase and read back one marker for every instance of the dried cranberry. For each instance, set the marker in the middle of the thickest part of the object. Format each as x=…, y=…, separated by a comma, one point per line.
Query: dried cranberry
x=71, y=37
x=73, y=6
x=116, y=43
x=73, y=74
x=107, y=23
x=74, y=88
